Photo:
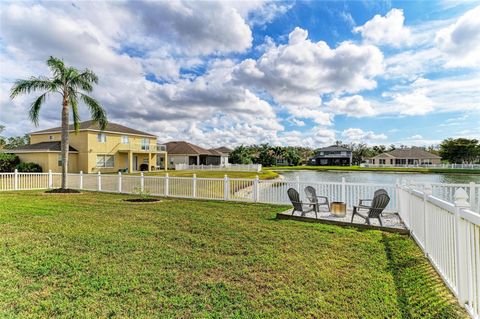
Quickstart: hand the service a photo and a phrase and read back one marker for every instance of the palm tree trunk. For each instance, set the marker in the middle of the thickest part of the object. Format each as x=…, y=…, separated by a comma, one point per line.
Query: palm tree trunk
x=65, y=142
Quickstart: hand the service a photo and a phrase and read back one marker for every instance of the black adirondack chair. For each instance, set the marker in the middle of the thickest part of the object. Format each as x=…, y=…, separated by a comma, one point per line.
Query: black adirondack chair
x=314, y=199
x=374, y=210
x=377, y=192
x=298, y=205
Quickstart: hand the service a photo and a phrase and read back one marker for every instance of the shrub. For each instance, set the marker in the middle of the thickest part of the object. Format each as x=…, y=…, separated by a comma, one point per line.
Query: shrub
x=29, y=167
x=8, y=162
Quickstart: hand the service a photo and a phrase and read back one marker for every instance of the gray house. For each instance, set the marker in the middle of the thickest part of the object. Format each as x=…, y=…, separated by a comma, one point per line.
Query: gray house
x=332, y=156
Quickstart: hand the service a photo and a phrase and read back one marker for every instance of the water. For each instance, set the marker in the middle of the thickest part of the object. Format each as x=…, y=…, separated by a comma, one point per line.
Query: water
x=378, y=177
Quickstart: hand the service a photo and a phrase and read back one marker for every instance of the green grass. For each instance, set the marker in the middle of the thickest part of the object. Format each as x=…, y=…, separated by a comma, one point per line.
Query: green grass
x=93, y=255
x=379, y=169
x=265, y=174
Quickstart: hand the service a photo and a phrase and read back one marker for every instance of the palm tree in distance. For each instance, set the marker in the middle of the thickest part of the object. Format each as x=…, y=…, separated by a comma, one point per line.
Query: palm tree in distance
x=70, y=84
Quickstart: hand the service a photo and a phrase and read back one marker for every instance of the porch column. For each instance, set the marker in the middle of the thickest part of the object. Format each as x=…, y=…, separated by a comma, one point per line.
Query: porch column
x=149, y=161
x=165, y=161
x=130, y=161
x=198, y=159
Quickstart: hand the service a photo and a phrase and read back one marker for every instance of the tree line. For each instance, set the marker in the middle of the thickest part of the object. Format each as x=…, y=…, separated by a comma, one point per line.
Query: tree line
x=459, y=150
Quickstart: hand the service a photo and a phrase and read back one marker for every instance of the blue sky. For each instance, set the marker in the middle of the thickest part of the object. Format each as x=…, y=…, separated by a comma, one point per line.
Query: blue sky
x=230, y=73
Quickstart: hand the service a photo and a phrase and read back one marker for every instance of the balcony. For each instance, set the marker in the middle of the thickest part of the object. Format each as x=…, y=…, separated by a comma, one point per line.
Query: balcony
x=140, y=147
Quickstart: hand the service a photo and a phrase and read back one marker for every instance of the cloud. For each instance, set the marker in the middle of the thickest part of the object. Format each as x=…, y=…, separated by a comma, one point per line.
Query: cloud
x=359, y=135
x=387, y=30
x=461, y=40
x=298, y=73
x=188, y=27
x=354, y=105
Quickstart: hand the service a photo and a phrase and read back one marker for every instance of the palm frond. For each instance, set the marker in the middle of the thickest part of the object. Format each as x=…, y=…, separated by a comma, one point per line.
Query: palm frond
x=32, y=84
x=85, y=80
x=75, y=114
x=35, y=108
x=97, y=112
x=56, y=66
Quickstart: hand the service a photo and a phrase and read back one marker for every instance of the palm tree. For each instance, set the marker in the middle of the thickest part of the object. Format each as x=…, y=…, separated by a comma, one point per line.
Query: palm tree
x=70, y=83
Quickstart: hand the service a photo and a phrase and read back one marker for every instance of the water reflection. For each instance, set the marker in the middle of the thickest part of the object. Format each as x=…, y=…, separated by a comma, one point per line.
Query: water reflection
x=378, y=177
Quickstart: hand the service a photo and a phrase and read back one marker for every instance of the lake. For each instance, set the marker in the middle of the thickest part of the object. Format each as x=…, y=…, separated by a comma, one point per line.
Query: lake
x=378, y=177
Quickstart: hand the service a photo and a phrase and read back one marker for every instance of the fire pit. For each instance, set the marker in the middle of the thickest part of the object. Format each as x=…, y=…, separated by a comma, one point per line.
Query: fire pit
x=338, y=209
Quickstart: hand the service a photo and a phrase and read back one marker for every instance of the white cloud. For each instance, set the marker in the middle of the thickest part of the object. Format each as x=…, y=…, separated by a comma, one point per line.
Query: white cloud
x=461, y=40
x=296, y=74
x=359, y=135
x=387, y=30
x=354, y=105
x=416, y=137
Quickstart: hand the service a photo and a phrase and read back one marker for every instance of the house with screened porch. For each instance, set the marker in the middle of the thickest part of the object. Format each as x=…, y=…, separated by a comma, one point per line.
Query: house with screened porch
x=92, y=150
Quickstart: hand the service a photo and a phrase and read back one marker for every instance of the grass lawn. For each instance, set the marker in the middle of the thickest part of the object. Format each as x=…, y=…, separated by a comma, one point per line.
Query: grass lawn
x=380, y=169
x=92, y=255
x=265, y=174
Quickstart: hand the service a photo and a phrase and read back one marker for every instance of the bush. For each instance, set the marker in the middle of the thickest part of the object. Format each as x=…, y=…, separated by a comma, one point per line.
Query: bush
x=29, y=167
x=8, y=162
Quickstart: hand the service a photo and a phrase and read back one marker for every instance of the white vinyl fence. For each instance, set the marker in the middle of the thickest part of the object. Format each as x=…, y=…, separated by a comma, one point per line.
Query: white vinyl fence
x=449, y=234
x=227, y=167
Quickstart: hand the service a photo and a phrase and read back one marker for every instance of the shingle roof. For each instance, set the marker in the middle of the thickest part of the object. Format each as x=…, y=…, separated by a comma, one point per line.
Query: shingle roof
x=414, y=152
x=222, y=149
x=41, y=147
x=182, y=147
x=333, y=148
x=91, y=125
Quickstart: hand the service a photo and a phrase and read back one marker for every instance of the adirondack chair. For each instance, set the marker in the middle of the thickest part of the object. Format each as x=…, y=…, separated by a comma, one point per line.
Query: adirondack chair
x=377, y=192
x=314, y=199
x=298, y=205
x=374, y=210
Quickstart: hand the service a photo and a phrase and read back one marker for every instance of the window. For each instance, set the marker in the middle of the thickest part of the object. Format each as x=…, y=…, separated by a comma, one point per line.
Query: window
x=382, y=161
x=145, y=144
x=59, y=160
x=101, y=137
x=124, y=139
x=105, y=161
x=51, y=137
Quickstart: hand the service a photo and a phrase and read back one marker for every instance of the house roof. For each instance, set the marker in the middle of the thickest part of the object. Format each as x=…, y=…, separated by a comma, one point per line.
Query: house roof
x=40, y=147
x=93, y=126
x=182, y=147
x=414, y=152
x=333, y=148
x=222, y=149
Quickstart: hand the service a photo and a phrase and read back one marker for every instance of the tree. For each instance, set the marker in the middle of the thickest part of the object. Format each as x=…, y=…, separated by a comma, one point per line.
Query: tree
x=240, y=155
x=70, y=84
x=460, y=150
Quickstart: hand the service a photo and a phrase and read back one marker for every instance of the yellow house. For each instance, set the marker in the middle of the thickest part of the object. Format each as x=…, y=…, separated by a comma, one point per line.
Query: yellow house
x=93, y=150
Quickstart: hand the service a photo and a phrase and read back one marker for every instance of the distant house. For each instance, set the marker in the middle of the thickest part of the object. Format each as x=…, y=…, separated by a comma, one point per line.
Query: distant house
x=92, y=150
x=181, y=152
x=408, y=156
x=332, y=156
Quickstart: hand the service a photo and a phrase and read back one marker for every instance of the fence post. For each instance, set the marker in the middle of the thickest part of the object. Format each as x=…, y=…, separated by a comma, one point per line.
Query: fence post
x=50, y=179
x=225, y=187
x=426, y=192
x=344, y=191
x=15, y=179
x=194, y=185
x=255, y=189
x=99, y=181
x=119, y=182
x=81, y=180
x=142, y=182
x=166, y=184
x=461, y=202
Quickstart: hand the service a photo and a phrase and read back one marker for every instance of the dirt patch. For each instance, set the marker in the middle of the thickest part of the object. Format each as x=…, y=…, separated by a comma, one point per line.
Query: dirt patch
x=62, y=191
x=142, y=200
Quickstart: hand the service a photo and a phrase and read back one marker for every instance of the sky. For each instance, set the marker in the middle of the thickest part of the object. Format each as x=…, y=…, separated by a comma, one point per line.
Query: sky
x=303, y=73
